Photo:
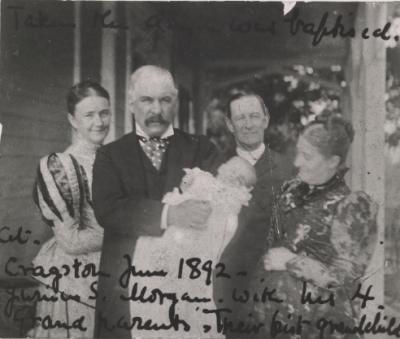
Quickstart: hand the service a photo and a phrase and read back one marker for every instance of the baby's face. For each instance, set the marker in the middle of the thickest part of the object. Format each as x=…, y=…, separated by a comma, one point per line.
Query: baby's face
x=228, y=172
x=236, y=171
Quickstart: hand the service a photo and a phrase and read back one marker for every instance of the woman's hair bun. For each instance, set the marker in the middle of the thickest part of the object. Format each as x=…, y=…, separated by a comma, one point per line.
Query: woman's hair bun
x=339, y=120
x=331, y=133
x=336, y=120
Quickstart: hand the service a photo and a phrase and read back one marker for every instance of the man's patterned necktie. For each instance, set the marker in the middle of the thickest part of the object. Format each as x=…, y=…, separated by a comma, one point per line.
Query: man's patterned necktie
x=154, y=148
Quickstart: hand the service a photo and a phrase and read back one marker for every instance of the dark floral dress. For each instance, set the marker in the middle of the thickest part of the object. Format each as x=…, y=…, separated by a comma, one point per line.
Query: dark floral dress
x=332, y=231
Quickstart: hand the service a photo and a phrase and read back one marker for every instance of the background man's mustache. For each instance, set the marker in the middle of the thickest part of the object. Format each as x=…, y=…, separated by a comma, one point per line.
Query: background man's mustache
x=156, y=118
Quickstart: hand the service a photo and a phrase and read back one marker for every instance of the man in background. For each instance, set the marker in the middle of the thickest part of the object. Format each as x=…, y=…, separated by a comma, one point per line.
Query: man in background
x=247, y=118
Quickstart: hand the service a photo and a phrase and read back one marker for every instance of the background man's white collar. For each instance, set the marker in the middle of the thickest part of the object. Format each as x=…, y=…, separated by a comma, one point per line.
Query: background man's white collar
x=251, y=156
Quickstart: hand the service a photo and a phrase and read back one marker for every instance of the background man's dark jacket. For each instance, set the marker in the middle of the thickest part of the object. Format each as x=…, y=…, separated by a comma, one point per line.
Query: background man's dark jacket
x=250, y=240
x=127, y=193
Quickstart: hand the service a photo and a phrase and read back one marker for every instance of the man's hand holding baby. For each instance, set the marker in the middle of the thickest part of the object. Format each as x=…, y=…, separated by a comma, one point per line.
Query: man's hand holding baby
x=189, y=213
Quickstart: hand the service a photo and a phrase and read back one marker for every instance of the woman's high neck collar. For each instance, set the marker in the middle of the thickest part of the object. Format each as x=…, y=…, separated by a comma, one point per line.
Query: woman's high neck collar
x=297, y=192
x=337, y=177
x=84, y=148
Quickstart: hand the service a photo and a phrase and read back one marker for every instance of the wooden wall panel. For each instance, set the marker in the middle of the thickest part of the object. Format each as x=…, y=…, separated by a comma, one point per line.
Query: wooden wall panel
x=37, y=69
x=90, y=41
x=120, y=73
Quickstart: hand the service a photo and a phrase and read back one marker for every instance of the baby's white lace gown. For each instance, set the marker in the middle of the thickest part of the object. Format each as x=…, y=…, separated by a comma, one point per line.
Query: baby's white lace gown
x=165, y=253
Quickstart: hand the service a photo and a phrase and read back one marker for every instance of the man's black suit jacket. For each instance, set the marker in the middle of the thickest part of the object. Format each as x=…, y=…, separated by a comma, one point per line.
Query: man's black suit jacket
x=124, y=208
x=250, y=240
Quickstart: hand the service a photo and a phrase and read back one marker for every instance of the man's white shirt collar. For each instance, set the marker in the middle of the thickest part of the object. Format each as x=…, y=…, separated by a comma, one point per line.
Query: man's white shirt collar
x=168, y=132
x=251, y=156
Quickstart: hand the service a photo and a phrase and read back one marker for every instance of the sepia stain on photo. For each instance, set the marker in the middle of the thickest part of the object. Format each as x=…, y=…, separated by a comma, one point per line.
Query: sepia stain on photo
x=199, y=169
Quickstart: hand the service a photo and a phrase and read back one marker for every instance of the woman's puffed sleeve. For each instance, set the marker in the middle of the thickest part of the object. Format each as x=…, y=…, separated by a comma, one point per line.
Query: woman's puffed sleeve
x=353, y=238
x=60, y=191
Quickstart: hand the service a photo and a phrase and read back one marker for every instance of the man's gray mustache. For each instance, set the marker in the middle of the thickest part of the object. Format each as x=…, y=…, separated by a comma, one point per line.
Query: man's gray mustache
x=158, y=119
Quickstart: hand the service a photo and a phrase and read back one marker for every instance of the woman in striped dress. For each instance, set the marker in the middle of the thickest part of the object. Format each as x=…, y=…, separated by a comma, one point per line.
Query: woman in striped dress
x=63, y=195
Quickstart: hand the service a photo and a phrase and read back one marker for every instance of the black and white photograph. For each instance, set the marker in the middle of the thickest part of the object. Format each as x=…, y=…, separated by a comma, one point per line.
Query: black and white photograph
x=199, y=170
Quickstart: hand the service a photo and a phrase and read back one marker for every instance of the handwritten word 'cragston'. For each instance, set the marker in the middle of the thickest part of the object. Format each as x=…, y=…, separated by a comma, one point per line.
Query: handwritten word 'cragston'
x=56, y=273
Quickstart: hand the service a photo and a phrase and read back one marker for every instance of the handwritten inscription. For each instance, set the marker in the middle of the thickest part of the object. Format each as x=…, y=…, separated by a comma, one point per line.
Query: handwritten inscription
x=278, y=326
x=379, y=325
x=21, y=236
x=104, y=20
x=54, y=273
x=202, y=271
x=225, y=325
x=48, y=323
x=144, y=324
x=140, y=293
x=131, y=271
x=307, y=298
x=266, y=294
x=40, y=19
x=319, y=30
x=18, y=295
x=294, y=24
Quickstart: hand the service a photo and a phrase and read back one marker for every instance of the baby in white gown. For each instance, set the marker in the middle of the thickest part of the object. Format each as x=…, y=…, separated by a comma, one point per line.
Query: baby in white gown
x=227, y=193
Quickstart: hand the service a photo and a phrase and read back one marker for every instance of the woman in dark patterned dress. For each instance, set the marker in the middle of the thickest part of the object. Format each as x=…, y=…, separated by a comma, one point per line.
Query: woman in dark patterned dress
x=327, y=237
x=63, y=195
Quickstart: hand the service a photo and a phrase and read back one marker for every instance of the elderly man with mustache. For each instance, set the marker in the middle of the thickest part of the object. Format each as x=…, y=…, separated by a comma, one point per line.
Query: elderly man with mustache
x=130, y=177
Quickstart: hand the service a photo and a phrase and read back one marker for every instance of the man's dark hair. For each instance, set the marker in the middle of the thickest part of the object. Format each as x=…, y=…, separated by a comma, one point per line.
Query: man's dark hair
x=237, y=96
